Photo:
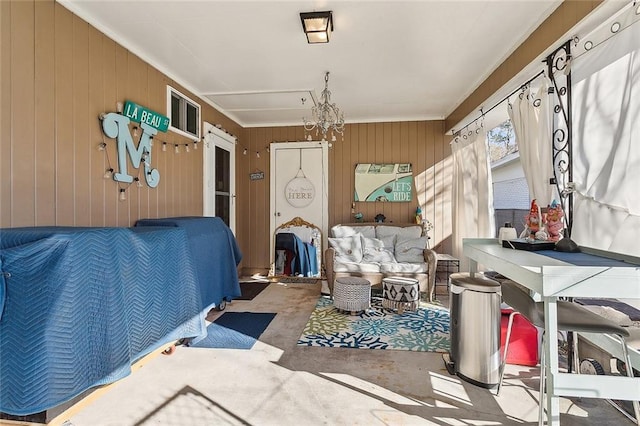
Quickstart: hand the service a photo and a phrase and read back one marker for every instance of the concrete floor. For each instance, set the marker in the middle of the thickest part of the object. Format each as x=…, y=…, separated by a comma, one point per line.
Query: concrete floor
x=280, y=383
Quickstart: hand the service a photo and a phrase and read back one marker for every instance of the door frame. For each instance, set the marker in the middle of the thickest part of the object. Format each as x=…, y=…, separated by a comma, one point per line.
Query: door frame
x=214, y=137
x=324, y=226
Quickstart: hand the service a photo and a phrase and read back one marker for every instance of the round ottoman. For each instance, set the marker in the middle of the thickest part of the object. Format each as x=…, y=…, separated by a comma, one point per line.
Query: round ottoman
x=400, y=293
x=352, y=294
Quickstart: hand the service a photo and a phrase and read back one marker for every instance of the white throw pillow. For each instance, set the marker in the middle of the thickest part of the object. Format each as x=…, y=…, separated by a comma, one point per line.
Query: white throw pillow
x=374, y=250
x=411, y=251
x=341, y=231
x=348, y=249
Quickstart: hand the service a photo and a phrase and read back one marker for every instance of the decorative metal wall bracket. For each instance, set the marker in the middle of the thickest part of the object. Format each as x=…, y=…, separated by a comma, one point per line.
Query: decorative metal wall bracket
x=559, y=72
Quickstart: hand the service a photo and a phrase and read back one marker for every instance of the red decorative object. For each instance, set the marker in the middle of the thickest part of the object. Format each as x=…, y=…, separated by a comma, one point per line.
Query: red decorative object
x=533, y=219
x=523, y=345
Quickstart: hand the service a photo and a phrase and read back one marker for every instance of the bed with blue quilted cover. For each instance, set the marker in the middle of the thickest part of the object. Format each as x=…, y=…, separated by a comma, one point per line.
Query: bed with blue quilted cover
x=79, y=305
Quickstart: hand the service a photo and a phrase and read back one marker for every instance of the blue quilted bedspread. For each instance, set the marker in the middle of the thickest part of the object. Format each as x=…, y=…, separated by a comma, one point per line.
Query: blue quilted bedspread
x=216, y=254
x=82, y=304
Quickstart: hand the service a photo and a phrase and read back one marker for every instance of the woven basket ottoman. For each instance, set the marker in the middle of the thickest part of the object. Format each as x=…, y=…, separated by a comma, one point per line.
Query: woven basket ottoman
x=401, y=294
x=352, y=294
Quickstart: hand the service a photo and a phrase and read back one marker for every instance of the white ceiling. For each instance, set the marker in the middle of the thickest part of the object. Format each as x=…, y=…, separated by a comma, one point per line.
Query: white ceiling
x=389, y=60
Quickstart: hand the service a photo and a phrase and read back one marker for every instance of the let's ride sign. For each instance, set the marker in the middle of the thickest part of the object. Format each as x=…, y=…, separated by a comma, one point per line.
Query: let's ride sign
x=140, y=114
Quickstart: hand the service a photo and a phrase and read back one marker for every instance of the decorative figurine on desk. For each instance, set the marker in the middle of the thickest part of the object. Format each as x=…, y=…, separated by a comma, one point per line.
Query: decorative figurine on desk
x=553, y=220
x=533, y=221
x=379, y=218
x=419, y=216
x=358, y=217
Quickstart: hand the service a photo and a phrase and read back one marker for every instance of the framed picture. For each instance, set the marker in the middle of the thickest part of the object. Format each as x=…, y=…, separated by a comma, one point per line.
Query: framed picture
x=383, y=182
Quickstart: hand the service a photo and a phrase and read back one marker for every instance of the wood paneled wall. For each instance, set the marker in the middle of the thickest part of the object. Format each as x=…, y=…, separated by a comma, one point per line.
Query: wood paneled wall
x=58, y=73
x=421, y=143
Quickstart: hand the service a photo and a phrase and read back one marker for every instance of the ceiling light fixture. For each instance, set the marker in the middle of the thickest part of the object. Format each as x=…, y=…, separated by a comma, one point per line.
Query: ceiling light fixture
x=317, y=26
x=326, y=116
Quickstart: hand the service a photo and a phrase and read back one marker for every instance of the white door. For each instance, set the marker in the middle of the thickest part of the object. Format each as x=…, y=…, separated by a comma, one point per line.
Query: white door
x=293, y=166
x=219, y=186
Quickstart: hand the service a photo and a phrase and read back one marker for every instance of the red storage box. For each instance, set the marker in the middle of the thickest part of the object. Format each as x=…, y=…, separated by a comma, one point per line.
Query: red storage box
x=523, y=345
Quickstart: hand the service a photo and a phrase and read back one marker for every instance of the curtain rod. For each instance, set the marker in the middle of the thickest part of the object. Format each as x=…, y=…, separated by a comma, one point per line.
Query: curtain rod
x=483, y=113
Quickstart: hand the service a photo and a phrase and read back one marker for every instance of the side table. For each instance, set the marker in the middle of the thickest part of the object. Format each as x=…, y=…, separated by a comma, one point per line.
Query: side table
x=449, y=265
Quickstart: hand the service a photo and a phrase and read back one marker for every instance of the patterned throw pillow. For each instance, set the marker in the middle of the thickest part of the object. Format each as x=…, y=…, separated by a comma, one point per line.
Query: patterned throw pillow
x=348, y=249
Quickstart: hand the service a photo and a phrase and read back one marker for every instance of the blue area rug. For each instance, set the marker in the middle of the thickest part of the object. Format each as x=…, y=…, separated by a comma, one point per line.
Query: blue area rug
x=426, y=330
x=235, y=330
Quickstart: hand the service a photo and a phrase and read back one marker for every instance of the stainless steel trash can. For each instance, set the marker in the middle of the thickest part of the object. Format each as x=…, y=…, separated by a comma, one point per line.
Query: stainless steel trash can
x=475, y=328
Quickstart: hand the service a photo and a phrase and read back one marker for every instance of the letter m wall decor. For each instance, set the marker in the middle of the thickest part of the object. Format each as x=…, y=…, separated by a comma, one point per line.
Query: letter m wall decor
x=116, y=126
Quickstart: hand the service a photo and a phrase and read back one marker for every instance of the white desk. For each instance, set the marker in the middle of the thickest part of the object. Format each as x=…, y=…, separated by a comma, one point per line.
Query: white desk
x=552, y=278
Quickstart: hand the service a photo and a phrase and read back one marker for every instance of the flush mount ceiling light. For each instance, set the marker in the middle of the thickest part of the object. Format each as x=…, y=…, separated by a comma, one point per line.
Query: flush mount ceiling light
x=317, y=26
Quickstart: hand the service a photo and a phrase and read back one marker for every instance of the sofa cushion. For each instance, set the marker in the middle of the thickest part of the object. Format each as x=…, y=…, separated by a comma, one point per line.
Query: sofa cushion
x=374, y=250
x=401, y=233
x=355, y=267
x=403, y=268
x=348, y=249
x=410, y=250
x=341, y=231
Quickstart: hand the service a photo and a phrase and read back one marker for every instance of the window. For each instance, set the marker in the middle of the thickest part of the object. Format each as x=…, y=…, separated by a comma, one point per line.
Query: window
x=510, y=189
x=502, y=141
x=184, y=114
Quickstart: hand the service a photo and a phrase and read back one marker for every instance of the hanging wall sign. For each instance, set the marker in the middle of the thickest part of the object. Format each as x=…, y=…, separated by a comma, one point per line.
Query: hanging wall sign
x=300, y=192
x=139, y=114
x=259, y=175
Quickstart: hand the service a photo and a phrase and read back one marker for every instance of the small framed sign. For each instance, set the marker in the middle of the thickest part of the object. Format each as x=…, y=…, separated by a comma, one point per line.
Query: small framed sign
x=259, y=175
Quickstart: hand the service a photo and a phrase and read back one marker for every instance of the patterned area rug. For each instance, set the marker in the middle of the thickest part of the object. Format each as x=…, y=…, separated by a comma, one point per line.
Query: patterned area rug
x=426, y=330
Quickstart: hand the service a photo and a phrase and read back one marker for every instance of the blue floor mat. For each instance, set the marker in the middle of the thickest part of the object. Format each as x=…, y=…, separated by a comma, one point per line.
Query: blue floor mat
x=235, y=330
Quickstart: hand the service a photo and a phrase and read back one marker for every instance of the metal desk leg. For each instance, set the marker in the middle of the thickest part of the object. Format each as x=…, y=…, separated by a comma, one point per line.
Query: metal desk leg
x=551, y=401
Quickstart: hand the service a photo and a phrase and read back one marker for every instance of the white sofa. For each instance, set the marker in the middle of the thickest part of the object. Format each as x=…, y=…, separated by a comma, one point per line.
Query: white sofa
x=378, y=250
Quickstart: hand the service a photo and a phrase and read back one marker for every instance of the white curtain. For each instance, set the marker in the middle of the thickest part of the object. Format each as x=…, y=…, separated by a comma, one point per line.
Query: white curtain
x=531, y=118
x=606, y=143
x=472, y=195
